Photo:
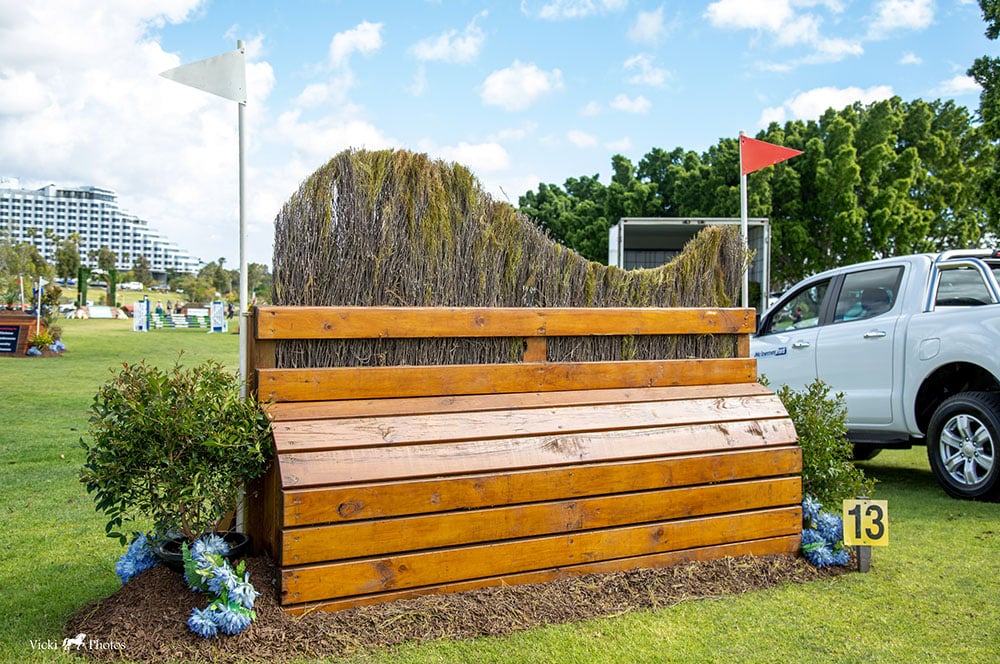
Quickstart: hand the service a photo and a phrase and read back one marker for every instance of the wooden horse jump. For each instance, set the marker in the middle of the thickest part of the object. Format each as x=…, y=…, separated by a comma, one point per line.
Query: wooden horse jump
x=394, y=481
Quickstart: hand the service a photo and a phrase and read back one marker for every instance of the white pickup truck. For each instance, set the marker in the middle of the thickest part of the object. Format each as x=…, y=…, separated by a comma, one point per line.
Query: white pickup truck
x=913, y=343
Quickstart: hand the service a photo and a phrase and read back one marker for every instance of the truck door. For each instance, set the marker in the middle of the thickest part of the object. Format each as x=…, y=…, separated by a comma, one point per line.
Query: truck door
x=855, y=350
x=785, y=344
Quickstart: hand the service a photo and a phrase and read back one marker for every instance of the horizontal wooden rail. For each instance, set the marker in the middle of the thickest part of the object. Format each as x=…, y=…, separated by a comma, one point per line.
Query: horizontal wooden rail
x=453, y=322
x=340, y=503
x=409, y=570
x=388, y=382
x=783, y=545
x=387, y=537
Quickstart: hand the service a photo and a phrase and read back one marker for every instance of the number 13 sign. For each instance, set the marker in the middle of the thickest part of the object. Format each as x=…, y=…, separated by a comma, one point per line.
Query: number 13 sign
x=866, y=522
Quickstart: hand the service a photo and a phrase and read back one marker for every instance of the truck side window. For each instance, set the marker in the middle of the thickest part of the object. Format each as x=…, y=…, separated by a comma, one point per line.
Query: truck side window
x=867, y=294
x=961, y=287
x=799, y=311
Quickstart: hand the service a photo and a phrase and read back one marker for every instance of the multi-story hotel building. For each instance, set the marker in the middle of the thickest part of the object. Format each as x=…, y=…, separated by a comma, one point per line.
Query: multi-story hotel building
x=47, y=216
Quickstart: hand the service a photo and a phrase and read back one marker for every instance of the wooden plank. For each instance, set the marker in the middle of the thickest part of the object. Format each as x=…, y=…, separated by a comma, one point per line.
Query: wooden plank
x=787, y=545
x=317, y=435
x=391, y=536
x=431, y=322
x=304, y=507
x=535, y=350
x=343, y=579
x=469, y=403
x=395, y=462
x=260, y=352
x=264, y=509
x=387, y=382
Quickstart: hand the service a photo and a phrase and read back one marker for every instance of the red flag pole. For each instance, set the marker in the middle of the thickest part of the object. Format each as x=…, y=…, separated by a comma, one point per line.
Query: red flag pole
x=744, y=223
x=756, y=155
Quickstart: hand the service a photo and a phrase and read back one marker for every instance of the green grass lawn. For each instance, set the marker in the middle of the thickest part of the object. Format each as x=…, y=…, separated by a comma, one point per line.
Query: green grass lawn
x=932, y=595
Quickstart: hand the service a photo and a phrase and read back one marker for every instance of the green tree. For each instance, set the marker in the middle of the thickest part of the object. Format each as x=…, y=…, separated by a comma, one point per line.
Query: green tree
x=986, y=71
x=67, y=257
x=142, y=270
x=259, y=280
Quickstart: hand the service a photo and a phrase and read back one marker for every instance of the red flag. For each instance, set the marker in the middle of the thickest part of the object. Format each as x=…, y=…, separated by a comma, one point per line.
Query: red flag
x=755, y=155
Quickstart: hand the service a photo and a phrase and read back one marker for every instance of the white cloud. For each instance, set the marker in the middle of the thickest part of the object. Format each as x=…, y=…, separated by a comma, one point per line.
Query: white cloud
x=769, y=115
x=813, y=103
x=591, y=109
x=621, y=145
x=581, y=139
x=896, y=15
x=768, y=15
x=451, y=46
x=365, y=39
x=910, y=58
x=779, y=23
x=324, y=137
x=628, y=104
x=21, y=93
x=648, y=27
x=478, y=157
x=958, y=86
x=646, y=72
x=559, y=10
x=517, y=87
x=514, y=133
x=419, y=85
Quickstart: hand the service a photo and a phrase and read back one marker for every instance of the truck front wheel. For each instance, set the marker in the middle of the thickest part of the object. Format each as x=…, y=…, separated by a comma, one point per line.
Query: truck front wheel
x=961, y=445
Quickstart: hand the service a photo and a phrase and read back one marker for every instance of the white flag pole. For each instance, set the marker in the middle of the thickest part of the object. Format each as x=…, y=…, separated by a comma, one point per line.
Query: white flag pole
x=244, y=314
x=743, y=226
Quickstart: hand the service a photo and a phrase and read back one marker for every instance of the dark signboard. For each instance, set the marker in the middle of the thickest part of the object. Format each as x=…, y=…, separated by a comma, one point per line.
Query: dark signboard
x=8, y=338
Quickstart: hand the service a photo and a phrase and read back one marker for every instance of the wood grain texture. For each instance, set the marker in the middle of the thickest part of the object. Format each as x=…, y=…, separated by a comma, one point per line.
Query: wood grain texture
x=432, y=322
x=318, y=435
x=333, y=383
x=395, y=462
x=412, y=570
x=408, y=496
x=393, y=536
x=786, y=545
x=475, y=403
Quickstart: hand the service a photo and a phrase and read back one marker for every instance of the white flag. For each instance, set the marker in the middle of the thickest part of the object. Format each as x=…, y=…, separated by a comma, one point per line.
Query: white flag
x=223, y=75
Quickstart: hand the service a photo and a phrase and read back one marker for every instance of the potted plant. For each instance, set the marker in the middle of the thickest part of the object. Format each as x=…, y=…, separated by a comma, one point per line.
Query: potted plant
x=172, y=449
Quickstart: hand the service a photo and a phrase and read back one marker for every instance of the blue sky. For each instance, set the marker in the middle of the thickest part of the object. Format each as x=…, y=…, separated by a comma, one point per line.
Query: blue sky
x=521, y=92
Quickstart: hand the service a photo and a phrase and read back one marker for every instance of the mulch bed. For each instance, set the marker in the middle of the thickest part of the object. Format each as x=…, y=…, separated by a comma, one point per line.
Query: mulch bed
x=147, y=616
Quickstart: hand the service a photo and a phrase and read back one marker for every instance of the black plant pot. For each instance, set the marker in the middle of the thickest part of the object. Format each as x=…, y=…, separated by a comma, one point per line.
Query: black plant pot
x=170, y=552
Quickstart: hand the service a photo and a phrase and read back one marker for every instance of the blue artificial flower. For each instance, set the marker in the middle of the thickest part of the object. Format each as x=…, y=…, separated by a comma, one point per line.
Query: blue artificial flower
x=232, y=619
x=243, y=592
x=816, y=549
x=137, y=559
x=209, y=545
x=841, y=557
x=810, y=510
x=222, y=578
x=203, y=622
x=125, y=568
x=231, y=609
x=831, y=527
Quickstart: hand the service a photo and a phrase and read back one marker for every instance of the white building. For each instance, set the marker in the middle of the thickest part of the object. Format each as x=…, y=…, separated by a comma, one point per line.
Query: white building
x=47, y=216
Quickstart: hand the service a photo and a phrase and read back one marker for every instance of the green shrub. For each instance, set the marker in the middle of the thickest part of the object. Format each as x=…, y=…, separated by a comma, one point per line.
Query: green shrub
x=828, y=473
x=41, y=339
x=172, y=447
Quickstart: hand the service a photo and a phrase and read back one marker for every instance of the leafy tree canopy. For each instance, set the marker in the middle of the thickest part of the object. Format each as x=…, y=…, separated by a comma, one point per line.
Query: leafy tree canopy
x=876, y=180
